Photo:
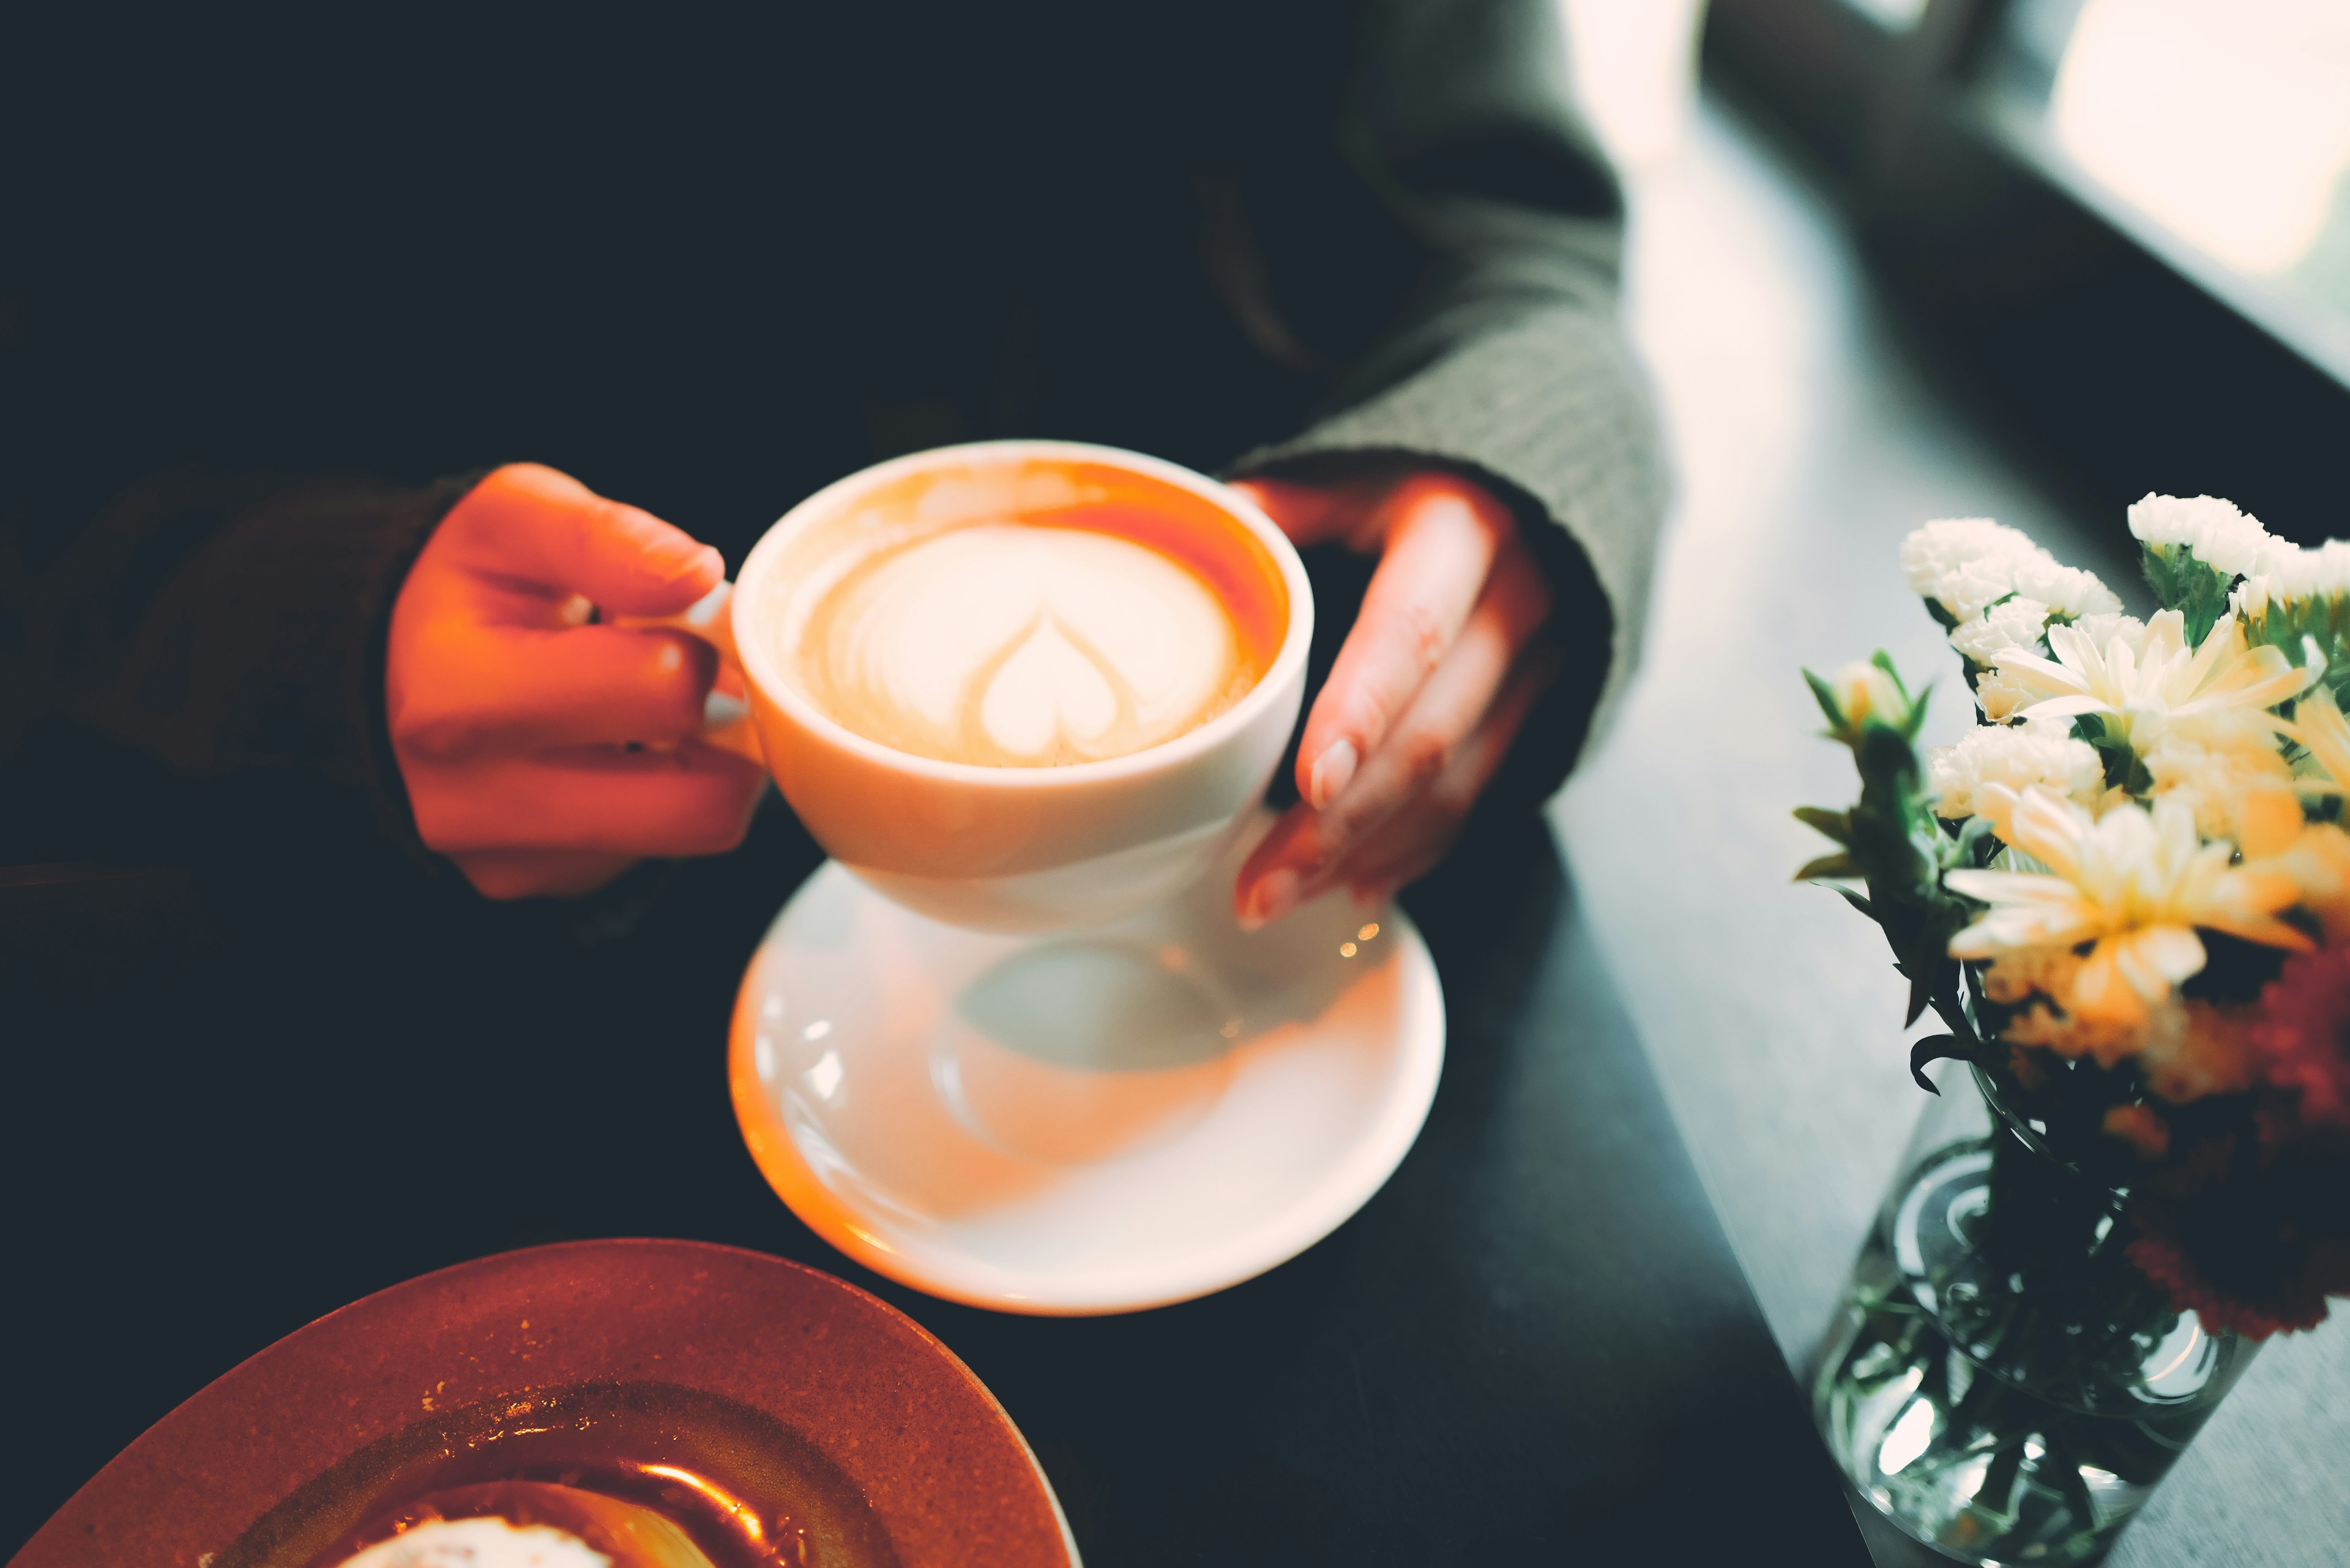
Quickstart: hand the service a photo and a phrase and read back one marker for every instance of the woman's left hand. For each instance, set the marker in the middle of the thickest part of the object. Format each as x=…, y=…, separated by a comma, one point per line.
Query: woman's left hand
x=1439, y=671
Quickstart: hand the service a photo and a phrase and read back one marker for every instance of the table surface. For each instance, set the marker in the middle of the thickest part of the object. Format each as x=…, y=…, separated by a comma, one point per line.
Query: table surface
x=1811, y=435
x=1533, y=1341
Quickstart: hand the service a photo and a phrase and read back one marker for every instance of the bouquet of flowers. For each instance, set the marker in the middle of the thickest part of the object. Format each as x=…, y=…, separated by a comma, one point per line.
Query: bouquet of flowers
x=2127, y=891
x=2126, y=895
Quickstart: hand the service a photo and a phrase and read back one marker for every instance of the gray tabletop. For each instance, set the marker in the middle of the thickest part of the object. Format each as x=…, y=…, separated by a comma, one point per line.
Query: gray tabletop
x=1808, y=443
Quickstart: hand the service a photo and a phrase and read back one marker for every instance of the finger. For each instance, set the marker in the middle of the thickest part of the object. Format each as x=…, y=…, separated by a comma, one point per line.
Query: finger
x=1447, y=707
x=695, y=800
x=517, y=690
x=1450, y=704
x=539, y=872
x=1308, y=851
x=1419, y=836
x=1442, y=536
x=530, y=523
x=1271, y=880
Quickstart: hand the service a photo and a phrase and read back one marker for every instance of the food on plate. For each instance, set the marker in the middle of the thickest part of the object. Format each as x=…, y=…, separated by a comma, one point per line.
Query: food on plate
x=520, y=1525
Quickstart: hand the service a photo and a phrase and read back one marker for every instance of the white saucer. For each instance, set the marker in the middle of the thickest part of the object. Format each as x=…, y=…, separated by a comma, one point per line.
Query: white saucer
x=1091, y=1122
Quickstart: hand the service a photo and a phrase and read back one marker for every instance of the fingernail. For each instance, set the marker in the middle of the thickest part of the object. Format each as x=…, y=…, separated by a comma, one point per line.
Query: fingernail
x=1333, y=770
x=705, y=610
x=679, y=554
x=718, y=709
x=1273, y=895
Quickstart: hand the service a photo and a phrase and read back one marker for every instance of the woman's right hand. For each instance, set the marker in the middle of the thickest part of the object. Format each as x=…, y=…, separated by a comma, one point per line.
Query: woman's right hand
x=542, y=755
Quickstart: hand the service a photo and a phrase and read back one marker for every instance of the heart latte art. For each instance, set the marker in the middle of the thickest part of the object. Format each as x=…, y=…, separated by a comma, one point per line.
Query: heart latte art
x=1020, y=645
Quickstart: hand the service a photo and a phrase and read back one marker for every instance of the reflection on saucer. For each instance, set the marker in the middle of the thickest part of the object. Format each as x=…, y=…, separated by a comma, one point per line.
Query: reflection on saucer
x=1071, y=1052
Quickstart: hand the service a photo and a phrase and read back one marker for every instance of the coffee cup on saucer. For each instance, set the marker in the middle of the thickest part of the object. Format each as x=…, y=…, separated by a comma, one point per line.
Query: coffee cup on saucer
x=1023, y=685
x=1010, y=1046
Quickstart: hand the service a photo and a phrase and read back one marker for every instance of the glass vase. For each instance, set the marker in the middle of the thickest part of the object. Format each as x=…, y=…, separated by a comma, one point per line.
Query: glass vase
x=2001, y=1382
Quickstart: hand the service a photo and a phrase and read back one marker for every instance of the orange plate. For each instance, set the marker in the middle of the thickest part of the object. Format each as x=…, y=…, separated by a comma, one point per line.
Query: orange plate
x=314, y=1428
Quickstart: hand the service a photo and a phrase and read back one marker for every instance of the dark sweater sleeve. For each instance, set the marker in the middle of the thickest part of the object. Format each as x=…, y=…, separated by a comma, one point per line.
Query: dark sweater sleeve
x=1508, y=362
x=207, y=628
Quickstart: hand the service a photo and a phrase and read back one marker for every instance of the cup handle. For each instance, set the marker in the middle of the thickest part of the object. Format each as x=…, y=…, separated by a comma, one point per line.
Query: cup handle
x=726, y=711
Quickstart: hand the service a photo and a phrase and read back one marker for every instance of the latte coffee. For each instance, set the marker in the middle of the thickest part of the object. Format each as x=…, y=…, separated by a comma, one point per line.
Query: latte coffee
x=1065, y=624
x=1023, y=685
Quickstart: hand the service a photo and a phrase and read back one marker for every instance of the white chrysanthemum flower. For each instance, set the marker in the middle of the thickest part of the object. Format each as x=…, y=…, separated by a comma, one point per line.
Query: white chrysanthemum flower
x=2222, y=537
x=2282, y=571
x=1968, y=564
x=2066, y=590
x=2011, y=623
x=2212, y=768
x=2136, y=885
x=2001, y=699
x=2102, y=629
x=2153, y=674
x=2017, y=758
x=1961, y=562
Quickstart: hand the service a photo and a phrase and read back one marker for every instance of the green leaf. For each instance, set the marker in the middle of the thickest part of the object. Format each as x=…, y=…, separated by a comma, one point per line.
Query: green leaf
x=1976, y=843
x=2123, y=767
x=1826, y=696
x=2296, y=626
x=1893, y=843
x=1888, y=760
x=2198, y=591
x=1934, y=1048
x=1836, y=825
x=1922, y=975
x=1918, y=713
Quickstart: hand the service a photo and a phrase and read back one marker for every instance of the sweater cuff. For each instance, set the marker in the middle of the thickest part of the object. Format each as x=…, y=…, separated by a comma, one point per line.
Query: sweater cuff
x=267, y=649
x=1553, y=415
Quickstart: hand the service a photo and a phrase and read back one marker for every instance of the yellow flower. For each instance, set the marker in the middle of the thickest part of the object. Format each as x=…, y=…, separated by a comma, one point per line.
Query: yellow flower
x=2134, y=884
x=2054, y=1024
x=2220, y=763
x=2149, y=672
x=2315, y=856
x=2318, y=724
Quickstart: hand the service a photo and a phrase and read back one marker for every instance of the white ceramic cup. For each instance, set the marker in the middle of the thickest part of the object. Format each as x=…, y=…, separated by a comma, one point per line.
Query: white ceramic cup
x=1017, y=849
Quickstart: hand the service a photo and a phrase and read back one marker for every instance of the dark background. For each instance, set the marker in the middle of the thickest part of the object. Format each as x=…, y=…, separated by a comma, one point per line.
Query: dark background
x=2101, y=371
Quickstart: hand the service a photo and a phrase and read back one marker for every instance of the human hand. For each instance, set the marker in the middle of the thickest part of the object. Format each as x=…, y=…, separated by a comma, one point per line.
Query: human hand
x=1428, y=691
x=542, y=755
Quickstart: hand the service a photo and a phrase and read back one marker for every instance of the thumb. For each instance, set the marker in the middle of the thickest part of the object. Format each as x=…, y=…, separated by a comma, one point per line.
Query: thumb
x=530, y=522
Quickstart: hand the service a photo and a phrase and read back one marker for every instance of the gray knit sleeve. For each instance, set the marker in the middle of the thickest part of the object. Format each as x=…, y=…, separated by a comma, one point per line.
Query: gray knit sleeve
x=1509, y=361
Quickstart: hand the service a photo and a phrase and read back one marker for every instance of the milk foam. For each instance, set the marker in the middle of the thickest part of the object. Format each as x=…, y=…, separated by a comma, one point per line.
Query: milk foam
x=1012, y=644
